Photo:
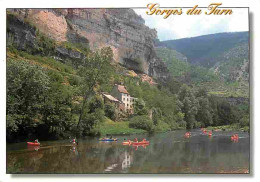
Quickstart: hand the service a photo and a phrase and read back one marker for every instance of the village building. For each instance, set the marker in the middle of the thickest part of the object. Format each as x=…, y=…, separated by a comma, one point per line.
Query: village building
x=120, y=92
x=112, y=100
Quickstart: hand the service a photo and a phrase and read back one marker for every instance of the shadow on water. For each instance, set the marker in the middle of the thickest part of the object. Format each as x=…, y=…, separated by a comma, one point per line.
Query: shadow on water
x=167, y=153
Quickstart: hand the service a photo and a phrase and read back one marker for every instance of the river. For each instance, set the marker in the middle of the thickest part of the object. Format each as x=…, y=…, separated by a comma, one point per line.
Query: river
x=167, y=153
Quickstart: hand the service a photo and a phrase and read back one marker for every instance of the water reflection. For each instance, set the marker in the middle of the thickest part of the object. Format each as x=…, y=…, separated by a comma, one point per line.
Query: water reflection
x=127, y=160
x=143, y=146
x=167, y=153
x=124, y=161
x=36, y=148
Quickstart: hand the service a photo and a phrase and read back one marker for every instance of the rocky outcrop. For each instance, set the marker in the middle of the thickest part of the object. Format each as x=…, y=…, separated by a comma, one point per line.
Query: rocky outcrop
x=122, y=29
x=20, y=34
x=67, y=54
x=24, y=36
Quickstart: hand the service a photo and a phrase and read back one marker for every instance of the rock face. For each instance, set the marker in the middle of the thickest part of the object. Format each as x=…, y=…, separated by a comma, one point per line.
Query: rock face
x=21, y=34
x=122, y=29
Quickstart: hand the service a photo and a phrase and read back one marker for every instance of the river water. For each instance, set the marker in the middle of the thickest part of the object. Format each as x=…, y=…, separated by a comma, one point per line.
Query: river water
x=167, y=153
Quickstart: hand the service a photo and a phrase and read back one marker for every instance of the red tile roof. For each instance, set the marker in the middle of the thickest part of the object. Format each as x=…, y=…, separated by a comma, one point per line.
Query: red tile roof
x=122, y=89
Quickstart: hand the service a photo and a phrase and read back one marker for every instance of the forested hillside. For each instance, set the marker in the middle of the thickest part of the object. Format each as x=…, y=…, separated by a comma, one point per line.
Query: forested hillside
x=183, y=70
x=219, y=62
x=206, y=50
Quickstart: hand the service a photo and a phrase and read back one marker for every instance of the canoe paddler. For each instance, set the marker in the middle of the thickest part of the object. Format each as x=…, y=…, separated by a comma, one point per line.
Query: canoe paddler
x=74, y=141
x=36, y=141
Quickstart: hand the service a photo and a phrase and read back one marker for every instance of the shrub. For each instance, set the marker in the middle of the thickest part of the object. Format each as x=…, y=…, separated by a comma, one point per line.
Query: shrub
x=55, y=76
x=110, y=111
x=142, y=122
x=244, y=121
x=74, y=80
x=162, y=126
x=91, y=123
x=139, y=107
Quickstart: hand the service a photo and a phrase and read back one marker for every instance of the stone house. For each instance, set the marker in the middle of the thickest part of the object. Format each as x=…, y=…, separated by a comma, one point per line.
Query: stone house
x=112, y=100
x=120, y=92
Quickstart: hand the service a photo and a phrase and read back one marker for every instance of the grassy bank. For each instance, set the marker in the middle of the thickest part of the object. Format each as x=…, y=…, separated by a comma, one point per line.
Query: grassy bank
x=233, y=127
x=110, y=127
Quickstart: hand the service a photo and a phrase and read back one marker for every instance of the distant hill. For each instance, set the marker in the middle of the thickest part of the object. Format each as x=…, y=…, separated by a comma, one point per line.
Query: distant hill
x=233, y=65
x=182, y=70
x=219, y=62
x=206, y=50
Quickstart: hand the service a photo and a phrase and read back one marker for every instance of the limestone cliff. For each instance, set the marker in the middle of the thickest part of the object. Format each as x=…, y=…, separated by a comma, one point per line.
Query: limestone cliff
x=122, y=29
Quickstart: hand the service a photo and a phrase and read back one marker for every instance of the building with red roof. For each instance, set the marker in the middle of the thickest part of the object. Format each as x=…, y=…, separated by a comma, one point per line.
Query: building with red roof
x=120, y=92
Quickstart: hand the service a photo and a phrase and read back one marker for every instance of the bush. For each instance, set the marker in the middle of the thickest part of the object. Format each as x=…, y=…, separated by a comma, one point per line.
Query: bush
x=110, y=111
x=244, y=121
x=139, y=107
x=91, y=123
x=74, y=80
x=142, y=122
x=55, y=76
x=162, y=127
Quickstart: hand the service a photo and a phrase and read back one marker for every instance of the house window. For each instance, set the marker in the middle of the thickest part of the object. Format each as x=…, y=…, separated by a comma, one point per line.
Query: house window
x=123, y=99
x=127, y=99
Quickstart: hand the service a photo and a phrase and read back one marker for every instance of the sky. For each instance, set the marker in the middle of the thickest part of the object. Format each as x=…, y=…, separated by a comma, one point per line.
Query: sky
x=183, y=26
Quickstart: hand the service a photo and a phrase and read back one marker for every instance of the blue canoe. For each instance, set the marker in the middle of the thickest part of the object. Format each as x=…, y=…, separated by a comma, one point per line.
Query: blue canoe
x=108, y=139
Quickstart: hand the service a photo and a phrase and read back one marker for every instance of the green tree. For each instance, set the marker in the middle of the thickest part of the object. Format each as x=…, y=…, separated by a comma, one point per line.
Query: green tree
x=140, y=108
x=244, y=121
x=189, y=107
x=57, y=109
x=110, y=111
x=93, y=116
x=27, y=86
x=95, y=71
x=156, y=115
x=227, y=114
x=204, y=115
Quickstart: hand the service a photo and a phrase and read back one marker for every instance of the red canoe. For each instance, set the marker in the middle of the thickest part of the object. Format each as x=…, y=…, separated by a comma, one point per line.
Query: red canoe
x=127, y=143
x=33, y=143
x=141, y=143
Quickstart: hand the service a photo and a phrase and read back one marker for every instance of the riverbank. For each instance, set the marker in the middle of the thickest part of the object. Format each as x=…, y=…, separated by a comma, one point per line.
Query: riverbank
x=233, y=127
x=110, y=127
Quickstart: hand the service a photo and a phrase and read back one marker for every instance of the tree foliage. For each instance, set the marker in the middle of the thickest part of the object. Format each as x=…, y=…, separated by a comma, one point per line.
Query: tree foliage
x=142, y=122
